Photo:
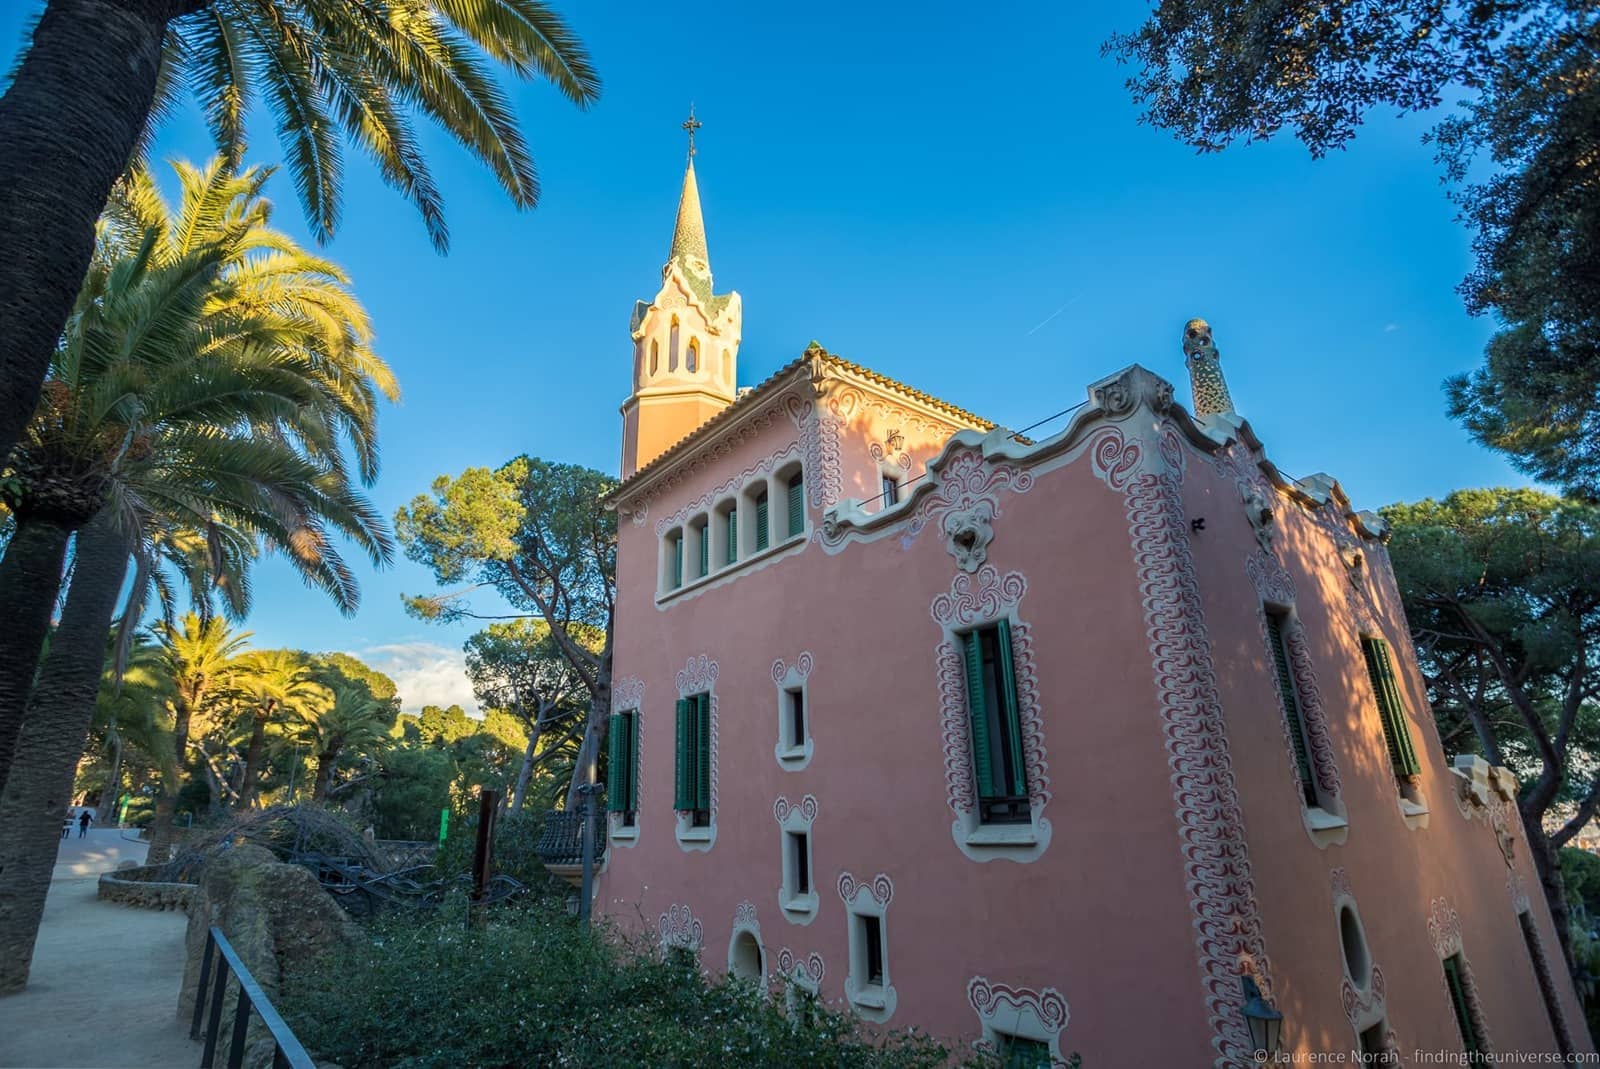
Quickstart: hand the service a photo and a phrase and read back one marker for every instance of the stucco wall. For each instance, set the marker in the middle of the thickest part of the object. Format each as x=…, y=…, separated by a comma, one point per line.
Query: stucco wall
x=1177, y=850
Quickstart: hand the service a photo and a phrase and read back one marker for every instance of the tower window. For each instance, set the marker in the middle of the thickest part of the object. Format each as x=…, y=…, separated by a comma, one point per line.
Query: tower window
x=797, y=504
x=691, y=360
x=655, y=357
x=672, y=346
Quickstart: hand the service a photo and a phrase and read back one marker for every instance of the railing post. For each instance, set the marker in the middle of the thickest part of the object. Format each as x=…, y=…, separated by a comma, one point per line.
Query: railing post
x=586, y=795
x=214, y=1018
x=205, y=977
x=241, y=1027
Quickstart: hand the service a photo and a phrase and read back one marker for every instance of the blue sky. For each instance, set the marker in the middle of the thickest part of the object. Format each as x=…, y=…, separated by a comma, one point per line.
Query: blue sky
x=960, y=198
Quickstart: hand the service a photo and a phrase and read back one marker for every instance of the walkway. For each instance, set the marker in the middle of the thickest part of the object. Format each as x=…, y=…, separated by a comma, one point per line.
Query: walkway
x=103, y=993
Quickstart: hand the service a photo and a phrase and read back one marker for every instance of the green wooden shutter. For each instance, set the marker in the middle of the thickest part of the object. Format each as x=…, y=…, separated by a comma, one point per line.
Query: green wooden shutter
x=702, y=772
x=705, y=550
x=1018, y=787
x=1391, y=707
x=630, y=755
x=1291, y=705
x=1458, y=998
x=797, y=506
x=683, y=794
x=616, y=789
x=677, y=562
x=761, y=524
x=978, y=715
x=733, y=536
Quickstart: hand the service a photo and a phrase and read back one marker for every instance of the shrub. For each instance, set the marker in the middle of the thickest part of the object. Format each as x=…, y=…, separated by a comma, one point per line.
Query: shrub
x=514, y=855
x=530, y=988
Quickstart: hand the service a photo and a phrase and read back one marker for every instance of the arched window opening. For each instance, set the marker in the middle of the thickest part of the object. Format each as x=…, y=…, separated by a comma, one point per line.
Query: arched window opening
x=745, y=962
x=691, y=360
x=655, y=357
x=672, y=347
x=727, y=367
x=1356, y=960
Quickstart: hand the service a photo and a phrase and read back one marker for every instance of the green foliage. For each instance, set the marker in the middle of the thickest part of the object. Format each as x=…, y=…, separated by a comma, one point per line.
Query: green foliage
x=514, y=854
x=1217, y=71
x=1580, y=870
x=413, y=786
x=1502, y=590
x=533, y=989
x=338, y=73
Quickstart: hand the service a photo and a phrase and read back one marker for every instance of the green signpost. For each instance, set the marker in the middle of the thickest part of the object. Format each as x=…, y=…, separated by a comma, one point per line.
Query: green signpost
x=444, y=825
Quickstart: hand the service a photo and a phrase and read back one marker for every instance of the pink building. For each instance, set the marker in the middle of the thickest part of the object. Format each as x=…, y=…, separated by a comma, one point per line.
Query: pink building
x=1057, y=744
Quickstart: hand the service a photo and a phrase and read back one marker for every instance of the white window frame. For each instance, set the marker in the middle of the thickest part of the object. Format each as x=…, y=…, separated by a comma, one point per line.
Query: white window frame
x=797, y=820
x=873, y=1001
x=793, y=678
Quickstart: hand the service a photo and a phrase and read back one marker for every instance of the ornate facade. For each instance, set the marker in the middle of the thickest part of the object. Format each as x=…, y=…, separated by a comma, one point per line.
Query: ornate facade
x=1093, y=723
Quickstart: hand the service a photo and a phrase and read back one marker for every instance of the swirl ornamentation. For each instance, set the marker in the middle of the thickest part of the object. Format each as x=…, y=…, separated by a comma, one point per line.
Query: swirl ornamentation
x=802, y=667
x=807, y=809
x=988, y=998
x=1227, y=921
x=678, y=927
x=881, y=890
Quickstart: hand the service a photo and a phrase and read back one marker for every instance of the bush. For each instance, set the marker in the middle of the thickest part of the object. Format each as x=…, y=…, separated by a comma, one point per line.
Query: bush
x=530, y=988
x=514, y=855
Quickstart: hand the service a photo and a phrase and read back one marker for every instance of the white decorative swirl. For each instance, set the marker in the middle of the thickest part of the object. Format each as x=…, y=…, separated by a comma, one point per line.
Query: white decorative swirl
x=802, y=667
x=678, y=927
x=979, y=598
x=705, y=501
x=807, y=809
x=988, y=998
x=627, y=693
x=881, y=889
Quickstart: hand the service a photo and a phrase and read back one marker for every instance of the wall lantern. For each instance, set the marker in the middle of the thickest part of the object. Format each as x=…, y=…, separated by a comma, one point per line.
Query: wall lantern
x=1263, y=1018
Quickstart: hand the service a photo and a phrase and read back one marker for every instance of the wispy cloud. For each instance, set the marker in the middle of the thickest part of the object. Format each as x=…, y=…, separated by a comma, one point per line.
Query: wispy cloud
x=1390, y=328
x=425, y=672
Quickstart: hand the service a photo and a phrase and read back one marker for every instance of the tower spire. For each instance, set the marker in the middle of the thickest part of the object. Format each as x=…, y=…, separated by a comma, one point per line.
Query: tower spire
x=689, y=233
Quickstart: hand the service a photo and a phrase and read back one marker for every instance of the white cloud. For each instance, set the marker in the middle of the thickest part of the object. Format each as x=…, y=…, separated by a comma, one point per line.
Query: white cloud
x=425, y=673
x=1390, y=328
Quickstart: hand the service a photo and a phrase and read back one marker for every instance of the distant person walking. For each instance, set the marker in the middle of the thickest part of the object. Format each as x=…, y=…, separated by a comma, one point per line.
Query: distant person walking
x=84, y=820
x=66, y=826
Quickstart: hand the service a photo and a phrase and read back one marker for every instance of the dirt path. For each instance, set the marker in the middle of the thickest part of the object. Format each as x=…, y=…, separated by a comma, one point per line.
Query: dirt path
x=103, y=993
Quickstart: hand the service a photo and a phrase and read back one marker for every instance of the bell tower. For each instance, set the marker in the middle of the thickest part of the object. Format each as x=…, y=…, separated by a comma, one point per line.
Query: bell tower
x=685, y=340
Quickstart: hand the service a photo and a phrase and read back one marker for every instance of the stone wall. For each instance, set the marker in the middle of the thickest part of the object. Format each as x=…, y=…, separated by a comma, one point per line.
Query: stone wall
x=128, y=887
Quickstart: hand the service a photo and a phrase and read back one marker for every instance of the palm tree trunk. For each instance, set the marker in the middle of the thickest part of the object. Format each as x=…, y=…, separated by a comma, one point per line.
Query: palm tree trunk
x=53, y=733
x=30, y=579
x=167, y=801
x=252, y=759
x=108, y=800
x=327, y=761
x=68, y=124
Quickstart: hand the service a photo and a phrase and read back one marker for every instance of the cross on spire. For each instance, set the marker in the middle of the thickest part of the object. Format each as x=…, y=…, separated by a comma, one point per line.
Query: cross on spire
x=692, y=124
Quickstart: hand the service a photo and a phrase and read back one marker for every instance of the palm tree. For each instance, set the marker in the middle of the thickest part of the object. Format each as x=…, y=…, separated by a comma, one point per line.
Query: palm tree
x=131, y=709
x=207, y=349
x=185, y=405
x=279, y=684
x=200, y=658
x=96, y=73
x=355, y=720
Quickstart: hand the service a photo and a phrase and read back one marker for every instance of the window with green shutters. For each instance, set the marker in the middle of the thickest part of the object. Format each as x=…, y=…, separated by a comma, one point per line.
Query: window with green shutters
x=761, y=521
x=622, y=765
x=1461, y=1000
x=1391, y=707
x=996, y=725
x=693, y=768
x=797, y=505
x=677, y=561
x=733, y=536
x=704, y=535
x=1277, y=624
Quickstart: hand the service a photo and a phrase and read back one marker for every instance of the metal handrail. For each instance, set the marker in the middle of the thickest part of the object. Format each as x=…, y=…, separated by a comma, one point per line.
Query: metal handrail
x=287, y=1053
